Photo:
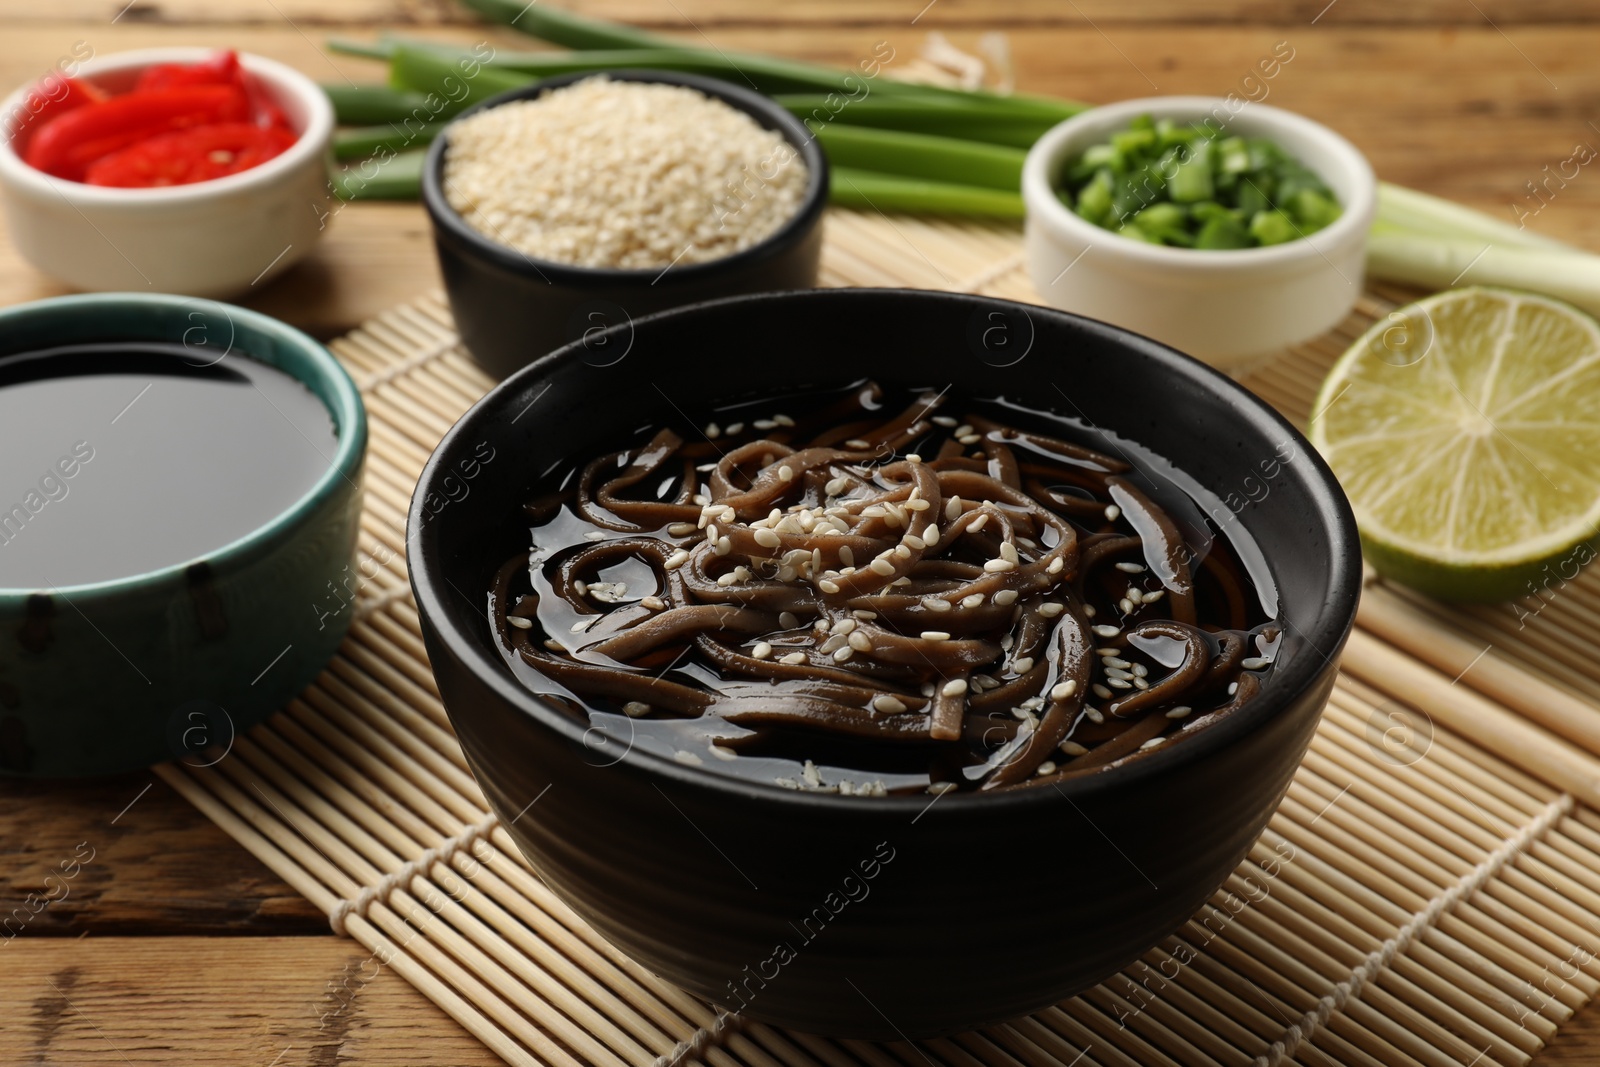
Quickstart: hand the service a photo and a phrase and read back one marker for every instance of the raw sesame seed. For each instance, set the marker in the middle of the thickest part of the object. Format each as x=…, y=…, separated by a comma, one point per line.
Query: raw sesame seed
x=594, y=535
x=847, y=555
x=654, y=603
x=1113, y=661
x=1072, y=748
x=1008, y=551
x=952, y=507
x=681, y=529
x=1022, y=664
x=763, y=650
x=788, y=620
x=782, y=420
x=1047, y=767
x=843, y=654
x=856, y=442
x=860, y=641
x=1106, y=631
x=1179, y=712
x=930, y=536
x=972, y=600
x=1126, y=605
x=837, y=486
x=933, y=603
x=1140, y=683
x=713, y=431
x=999, y=566
x=1088, y=611
x=955, y=687
x=944, y=420
x=979, y=523
x=1064, y=690
x=935, y=635
x=912, y=457
x=726, y=580
x=1106, y=653
x=1050, y=611
x=635, y=709
x=734, y=427
x=683, y=756
x=1100, y=691
x=1140, y=670
x=722, y=752
x=723, y=546
x=584, y=623
x=913, y=542
x=1057, y=565
x=1005, y=597
x=1118, y=683
x=888, y=705
x=1255, y=663
x=793, y=658
x=844, y=626
x=1094, y=715
x=1130, y=568
x=785, y=473
x=1152, y=743
x=863, y=613
x=1233, y=687
x=969, y=439
x=765, y=424
x=881, y=566
x=1113, y=513
x=939, y=789
x=1113, y=672
x=828, y=587
x=519, y=622
x=767, y=538
x=1151, y=598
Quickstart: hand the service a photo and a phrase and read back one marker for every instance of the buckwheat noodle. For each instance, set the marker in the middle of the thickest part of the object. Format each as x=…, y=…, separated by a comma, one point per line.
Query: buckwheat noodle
x=1009, y=603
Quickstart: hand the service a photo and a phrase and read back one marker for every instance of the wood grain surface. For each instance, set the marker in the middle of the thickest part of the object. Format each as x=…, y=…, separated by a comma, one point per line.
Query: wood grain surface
x=173, y=944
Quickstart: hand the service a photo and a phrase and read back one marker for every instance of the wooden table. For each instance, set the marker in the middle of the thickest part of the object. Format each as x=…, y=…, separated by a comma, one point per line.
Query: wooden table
x=175, y=945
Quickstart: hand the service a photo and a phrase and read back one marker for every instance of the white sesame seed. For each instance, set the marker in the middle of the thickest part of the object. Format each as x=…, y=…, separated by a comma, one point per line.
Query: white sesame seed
x=1106, y=631
x=1100, y=691
x=944, y=420
x=930, y=536
x=1126, y=605
x=1118, y=683
x=933, y=603
x=635, y=709
x=594, y=535
x=1107, y=653
x=1140, y=683
x=827, y=586
x=726, y=580
x=1063, y=690
x=553, y=645
x=785, y=473
x=913, y=542
x=979, y=523
x=939, y=789
x=1094, y=715
x=1008, y=551
x=1072, y=748
x=1134, y=595
x=734, y=427
x=723, y=546
x=1047, y=767
x=881, y=566
x=681, y=529
x=840, y=655
x=1233, y=687
x=722, y=752
x=763, y=650
x=856, y=442
x=1140, y=670
x=793, y=658
x=969, y=439
x=1152, y=743
x=1113, y=513
x=1151, y=598
x=767, y=538
x=713, y=431
x=888, y=705
x=955, y=687
x=972, y=600
x=863, y=613
x=1179, y=712
x=1005, y=596
x=519, y=622
x=1255, y=663
x=654, y=603
x=1022, y=664
x=1113, y=661
x=1130, y=568
x=912, y=457
x=836, y=486
x=1056, y=566
x=787, y=620
x=860, y=641
x=1088, y=611
x=999, y=566
x=952, y=507
x=935, y=635
x=847, y=555
x=584, y=623
x=1050, y=611
x=765, y=424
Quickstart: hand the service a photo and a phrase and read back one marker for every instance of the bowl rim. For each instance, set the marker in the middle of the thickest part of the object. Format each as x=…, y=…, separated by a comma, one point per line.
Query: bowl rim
x=343, y=403
x=445, y=218
x=282, y=80
x=1046, y=156
x=1334, y=617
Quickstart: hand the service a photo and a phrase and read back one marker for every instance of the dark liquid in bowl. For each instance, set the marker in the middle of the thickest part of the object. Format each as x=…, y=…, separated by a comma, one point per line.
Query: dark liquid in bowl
x=117, y=459
x=1018, y=598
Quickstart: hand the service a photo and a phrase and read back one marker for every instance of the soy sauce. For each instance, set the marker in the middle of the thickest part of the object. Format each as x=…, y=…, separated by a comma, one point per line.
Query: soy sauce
x=121, y=458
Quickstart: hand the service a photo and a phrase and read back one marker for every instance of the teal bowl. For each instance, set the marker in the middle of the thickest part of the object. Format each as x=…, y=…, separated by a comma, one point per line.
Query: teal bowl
x=176, y=663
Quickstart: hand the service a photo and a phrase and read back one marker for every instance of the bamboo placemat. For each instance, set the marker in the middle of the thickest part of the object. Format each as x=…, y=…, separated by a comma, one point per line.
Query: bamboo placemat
x=1419, y=899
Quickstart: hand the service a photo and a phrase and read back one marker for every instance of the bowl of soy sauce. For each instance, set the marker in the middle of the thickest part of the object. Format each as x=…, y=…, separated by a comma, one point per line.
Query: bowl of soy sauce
x=179, y=507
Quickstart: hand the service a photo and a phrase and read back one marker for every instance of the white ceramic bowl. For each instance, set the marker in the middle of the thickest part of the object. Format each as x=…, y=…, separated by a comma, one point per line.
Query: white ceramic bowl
x=215, y=239
x=1228, y=308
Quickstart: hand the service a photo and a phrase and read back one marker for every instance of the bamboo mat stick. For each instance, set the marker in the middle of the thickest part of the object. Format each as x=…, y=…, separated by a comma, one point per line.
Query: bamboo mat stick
x=1481, y=667
x=1527, y=746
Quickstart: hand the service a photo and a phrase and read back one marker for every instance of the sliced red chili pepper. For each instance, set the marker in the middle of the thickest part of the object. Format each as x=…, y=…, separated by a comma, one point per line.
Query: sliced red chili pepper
x=188, y=156
x=67, y=144
x=53, y=96
x=221, y=69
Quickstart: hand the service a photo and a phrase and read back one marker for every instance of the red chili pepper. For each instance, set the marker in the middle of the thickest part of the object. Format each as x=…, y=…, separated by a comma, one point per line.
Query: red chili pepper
x=187, y=156
x=66, y=145
x=53, y=96
x=221, y=69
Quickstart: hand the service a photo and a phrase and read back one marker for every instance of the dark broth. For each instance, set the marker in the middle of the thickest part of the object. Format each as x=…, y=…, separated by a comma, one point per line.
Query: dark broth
x=1153, y=623
x=121, y=458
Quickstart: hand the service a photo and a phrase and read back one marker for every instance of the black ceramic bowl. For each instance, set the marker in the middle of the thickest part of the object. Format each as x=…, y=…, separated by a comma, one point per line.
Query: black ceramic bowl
x=511, y=308
x=876, y=917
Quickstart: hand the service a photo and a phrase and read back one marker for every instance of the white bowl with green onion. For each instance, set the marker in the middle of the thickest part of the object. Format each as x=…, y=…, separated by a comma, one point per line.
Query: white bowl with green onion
x=1202, y=257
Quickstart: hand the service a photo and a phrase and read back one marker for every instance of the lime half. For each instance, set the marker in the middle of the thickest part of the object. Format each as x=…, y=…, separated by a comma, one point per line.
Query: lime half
x=1465, y=429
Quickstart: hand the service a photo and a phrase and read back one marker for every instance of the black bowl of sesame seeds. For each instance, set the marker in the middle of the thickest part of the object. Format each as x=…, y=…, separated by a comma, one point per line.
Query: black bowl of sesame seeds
x=877, y=913
x=585, y=201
